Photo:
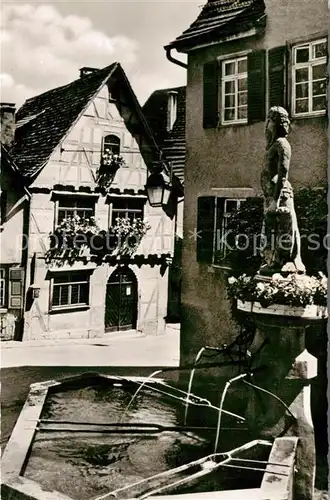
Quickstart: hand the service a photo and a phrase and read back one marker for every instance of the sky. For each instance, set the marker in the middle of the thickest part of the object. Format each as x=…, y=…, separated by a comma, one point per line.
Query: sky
x=43, y=44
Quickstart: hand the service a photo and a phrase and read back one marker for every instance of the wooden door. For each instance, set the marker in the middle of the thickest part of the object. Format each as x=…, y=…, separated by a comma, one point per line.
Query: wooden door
x=121, y=301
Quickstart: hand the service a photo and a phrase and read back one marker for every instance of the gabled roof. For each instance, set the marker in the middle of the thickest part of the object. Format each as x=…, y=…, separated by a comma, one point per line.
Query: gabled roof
x=219, y=19
x=7, y=161
x=173, y=142
x=43, y=121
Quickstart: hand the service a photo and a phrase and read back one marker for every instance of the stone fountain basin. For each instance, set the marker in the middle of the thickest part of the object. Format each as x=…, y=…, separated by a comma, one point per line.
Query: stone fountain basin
x=310, y=312
x=33, y=467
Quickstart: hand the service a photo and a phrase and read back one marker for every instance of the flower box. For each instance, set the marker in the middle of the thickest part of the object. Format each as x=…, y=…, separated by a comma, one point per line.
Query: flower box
x=311, y=311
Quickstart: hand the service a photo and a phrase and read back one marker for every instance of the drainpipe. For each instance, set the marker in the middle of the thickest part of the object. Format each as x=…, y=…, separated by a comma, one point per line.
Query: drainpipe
x=25, y=252
x=172, y=60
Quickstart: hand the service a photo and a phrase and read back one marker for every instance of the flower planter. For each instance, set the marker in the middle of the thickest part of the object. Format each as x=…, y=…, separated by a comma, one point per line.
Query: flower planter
x=310, y=311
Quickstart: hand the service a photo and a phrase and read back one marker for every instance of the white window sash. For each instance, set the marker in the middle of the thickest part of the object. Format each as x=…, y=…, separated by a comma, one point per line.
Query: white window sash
x=74, y=208
x=310, y=64
x=235, y=77
x=221, y=226
x=2, y=287
x=69, y=302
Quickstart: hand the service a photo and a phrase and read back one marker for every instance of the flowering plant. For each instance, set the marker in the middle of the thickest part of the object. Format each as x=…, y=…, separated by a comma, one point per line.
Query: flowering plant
x=112, y=160
x=130, y=232
x=110, y=163
x=70, y=237
x=295, y=290
x=71, y=228
x=76, y=235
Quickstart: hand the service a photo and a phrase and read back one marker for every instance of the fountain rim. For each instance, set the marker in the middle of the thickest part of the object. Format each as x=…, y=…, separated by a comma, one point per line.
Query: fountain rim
x=17, y=450
x=310, y=312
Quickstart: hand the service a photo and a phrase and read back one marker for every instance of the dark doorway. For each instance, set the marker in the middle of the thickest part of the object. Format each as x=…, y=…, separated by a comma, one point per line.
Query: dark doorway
x=121, y=301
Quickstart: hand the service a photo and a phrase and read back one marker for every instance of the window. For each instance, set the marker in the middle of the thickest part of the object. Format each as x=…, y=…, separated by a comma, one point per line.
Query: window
x=224, y=239
x=70, y=290
x=309, y=78
x=111, y=145
x=15, y=292
x=172, y=105
x=220, y=230
x=127, y=208
x=2, y=287
x=11, y=287
x=70, y=207
x=234, y=91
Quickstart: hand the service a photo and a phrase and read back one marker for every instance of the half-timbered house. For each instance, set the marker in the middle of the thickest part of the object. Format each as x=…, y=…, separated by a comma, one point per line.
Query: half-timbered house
x=83, y=151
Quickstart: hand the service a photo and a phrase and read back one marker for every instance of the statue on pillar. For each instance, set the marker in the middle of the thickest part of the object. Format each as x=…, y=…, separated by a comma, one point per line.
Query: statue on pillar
x=280, y=235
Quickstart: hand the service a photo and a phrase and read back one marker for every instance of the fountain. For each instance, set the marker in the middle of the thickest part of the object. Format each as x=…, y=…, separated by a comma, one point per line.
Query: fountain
x=283, y=302
x=60, y=450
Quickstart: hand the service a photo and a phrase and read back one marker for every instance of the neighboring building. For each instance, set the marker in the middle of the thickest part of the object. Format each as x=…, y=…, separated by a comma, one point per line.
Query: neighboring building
x=165, y=111
x=242, y=57
x=14, y=216
x=61, y=138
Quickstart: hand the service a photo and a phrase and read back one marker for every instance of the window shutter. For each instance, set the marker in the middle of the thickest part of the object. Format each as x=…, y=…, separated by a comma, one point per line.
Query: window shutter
x=205, y=228
x=256, y=86
x=210, y=94
x=16, y=279
x=327, y=86
x=288, y=78
x=218, y=247
x=276, y=76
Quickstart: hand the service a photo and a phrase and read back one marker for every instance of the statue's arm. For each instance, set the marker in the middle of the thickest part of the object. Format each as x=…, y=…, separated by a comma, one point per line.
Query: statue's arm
x=283, y=165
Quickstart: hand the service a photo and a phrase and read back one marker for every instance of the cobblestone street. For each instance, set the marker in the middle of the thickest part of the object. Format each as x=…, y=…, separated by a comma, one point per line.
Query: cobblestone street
x=117, y=349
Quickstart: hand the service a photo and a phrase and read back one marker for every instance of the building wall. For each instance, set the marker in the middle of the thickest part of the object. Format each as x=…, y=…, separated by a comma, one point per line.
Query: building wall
x=231, y=157
x=12, y=228
x=74, y=164
x=89, y=323
x=11, y=251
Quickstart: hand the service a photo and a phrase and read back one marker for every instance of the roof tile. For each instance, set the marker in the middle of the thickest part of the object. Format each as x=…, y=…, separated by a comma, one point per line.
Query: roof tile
x=218, y=19
x=172, y=143
x=43, y=121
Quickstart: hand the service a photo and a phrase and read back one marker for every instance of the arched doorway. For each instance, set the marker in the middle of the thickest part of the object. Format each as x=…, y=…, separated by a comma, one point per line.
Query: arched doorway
x=121, y=301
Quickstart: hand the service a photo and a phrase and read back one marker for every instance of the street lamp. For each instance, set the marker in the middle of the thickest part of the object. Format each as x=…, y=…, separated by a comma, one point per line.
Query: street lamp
x=158, y=185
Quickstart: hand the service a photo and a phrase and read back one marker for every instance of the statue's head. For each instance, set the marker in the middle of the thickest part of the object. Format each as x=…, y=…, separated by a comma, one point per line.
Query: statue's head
x=278, y=121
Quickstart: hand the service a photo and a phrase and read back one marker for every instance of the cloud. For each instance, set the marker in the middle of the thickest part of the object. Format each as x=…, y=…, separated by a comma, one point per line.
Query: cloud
x=15, y=92
x=144, y=83
x=42, y=49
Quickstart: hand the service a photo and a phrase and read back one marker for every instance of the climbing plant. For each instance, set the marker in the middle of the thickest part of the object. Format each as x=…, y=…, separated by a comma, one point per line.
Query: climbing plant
x=246, y=224
x=244, y=258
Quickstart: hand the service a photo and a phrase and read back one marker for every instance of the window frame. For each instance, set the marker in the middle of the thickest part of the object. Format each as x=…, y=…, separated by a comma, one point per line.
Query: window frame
x=3, y=289
x=220, y=227
x=75, y=209
x=115, y=143
x=312, y=62
x=69, y=306
x=112, y=201
x=233, y=77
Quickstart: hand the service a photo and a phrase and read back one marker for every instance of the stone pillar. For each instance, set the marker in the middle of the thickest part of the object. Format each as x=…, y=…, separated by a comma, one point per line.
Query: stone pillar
x=284, y=368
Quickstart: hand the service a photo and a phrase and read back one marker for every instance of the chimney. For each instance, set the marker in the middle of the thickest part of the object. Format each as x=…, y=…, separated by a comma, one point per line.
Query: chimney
x=85, y=70
x=172, y=103
x=7, y=123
